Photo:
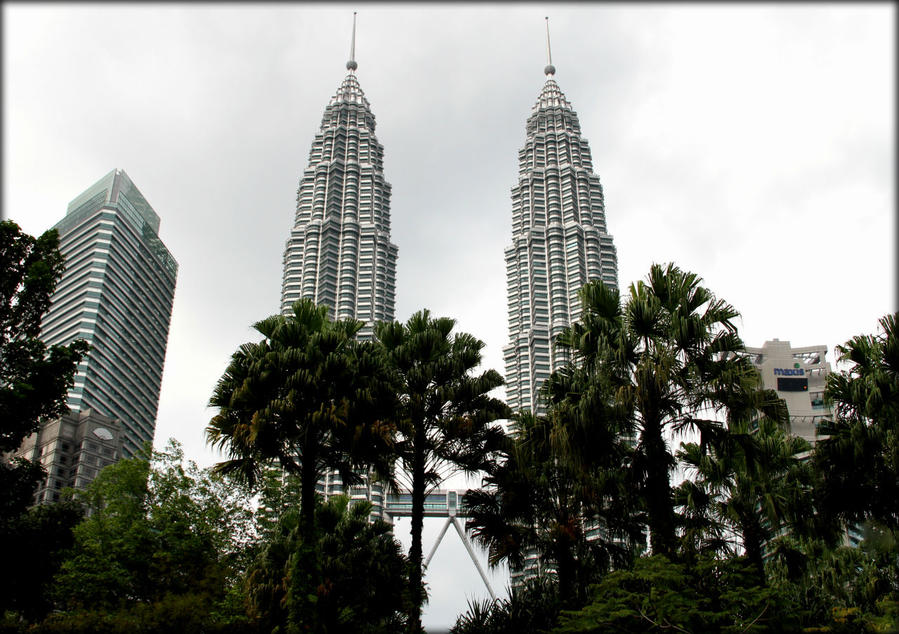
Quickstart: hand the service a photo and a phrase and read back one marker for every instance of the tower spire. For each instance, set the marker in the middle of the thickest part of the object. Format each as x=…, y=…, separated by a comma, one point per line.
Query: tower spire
x=549, y=69
x=351, y=65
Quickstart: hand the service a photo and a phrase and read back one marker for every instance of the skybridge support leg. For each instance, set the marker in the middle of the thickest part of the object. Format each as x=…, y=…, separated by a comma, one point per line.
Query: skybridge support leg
x=452, y=520
x=439, y=539
x=471, y=554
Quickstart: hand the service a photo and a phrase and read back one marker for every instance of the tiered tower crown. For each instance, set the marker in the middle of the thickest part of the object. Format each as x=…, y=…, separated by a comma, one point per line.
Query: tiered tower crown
x=339, y=252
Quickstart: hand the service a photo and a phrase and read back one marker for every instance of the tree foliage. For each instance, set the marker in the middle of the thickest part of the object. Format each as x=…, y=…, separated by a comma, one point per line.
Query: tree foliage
x=308, y=398
x=534, y=500
x=35, y=544
x=154, y=529
x=33, y=378
x=749, y=483
x=358, y=574
x=859, y=460
x=530, y=609
x=661, y=363
x=658, y=594
x=746, y=542
x=443, y=418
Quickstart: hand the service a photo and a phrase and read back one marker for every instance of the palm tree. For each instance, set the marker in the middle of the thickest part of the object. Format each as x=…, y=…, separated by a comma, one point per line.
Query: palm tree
x=534, y=499
x=665, y=362
x=444, y=416
x=860, y=455
x=309, y=398
x=754, y=482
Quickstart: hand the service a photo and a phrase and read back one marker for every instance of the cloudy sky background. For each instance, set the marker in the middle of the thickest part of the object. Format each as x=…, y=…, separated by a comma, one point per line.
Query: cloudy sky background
x=752, y=144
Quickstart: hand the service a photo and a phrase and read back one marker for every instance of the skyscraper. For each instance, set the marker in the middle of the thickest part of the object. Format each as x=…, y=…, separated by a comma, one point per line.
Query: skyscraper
x=559, y=242
x=116, y=293
x=339, y=252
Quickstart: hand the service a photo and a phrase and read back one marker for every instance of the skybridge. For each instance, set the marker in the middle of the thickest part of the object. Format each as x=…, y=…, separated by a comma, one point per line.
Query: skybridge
x=439, y=503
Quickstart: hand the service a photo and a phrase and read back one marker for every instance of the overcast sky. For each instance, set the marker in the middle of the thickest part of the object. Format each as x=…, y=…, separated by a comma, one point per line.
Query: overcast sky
x=751, y=144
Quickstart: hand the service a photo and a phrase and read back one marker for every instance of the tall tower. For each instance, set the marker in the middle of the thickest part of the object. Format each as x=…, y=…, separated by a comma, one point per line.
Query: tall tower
x=559, y=241
x=339, y=252
x=117, y=293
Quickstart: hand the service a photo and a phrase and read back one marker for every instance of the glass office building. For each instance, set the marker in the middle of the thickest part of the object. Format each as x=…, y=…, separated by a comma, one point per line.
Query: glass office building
x=116, y=293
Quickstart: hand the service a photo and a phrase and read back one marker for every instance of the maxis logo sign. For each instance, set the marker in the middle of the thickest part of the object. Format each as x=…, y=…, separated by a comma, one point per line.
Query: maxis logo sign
x=794, y=371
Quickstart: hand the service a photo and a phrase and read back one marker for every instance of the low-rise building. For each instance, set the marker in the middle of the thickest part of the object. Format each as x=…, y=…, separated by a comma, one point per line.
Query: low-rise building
x=799, y=376
x=73, y=449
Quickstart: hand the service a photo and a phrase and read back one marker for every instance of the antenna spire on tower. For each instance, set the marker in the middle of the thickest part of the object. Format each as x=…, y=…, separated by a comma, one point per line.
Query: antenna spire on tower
x=549, y=69
x=351, y=65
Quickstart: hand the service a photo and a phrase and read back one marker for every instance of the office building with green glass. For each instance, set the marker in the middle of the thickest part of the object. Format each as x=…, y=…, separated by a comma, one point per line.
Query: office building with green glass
x=116, y=293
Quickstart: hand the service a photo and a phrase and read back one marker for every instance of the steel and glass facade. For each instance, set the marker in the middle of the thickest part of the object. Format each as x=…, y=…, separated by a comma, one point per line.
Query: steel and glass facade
x=339, y=252
x=116, y=293
x=559, y=243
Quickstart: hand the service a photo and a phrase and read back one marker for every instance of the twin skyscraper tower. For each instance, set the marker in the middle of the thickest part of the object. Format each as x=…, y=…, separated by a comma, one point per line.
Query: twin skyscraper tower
x=339, y=252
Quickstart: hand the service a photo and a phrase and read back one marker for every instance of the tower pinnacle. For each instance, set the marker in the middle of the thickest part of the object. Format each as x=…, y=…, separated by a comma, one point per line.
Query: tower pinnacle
x=549, y=69
x=351, y=65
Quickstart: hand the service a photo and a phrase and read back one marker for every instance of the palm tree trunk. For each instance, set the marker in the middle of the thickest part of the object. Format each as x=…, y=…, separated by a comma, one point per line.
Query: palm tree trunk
x=303, y=578
x=660, y=506
x=565, y=571
x=308, y=479
x=752, y=543
x=415, y=551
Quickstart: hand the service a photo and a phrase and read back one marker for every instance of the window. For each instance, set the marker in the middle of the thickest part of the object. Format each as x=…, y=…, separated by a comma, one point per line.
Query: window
x=792, y=384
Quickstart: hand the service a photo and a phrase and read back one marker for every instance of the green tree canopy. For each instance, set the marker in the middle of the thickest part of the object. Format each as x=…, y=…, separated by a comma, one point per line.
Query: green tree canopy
x=309, y=398
x=748, y=481
x=358, y=574
x=659, y=595
x=35, y=543
x=444, y=415
x=859, y=460
x=33, y=378
x=535, y=501
x=662, y=363
x=154, y=528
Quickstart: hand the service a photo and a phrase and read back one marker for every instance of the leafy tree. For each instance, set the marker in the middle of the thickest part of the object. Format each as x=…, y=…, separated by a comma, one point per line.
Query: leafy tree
x=279, y=493
x=33, y=378
x=859, y=460
x=18, y=481
x=154, y=529
x=443, y=418
x=35, y=543
x=359, y=573
x=661, y=595
x=664, y=362
x=308, y=398
x=843, y=589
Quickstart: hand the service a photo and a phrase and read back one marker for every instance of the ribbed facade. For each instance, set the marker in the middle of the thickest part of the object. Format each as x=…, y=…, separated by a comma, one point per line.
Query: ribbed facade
x=559, y=243
x=116, y=293
x=339, y=252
